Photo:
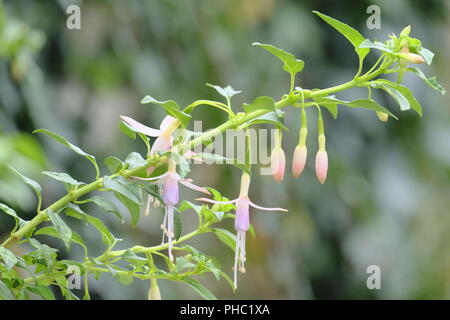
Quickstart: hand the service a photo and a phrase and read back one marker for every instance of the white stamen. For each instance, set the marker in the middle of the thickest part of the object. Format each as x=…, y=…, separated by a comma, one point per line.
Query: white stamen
x=239, y=256
x=147, y=208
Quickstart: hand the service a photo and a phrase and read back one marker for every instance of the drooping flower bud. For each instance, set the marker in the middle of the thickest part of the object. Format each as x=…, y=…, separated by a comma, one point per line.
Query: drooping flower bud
x=321, y=160
x=300, y=152
x=153, y=292
x=383, y=116
x=278, y=159
x=414, y=58
x=299, y=160
x=321, y=165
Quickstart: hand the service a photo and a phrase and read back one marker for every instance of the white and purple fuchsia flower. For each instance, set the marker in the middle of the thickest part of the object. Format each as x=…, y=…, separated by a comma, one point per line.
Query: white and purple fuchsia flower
x=241, y=222
x=164, y=140
x=169, y=180
x=171, y=195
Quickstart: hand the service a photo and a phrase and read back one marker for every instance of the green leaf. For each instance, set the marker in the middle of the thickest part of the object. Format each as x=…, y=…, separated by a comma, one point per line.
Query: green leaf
x=123, y=187
x=212, y=215
x=331, y=107
x=291, y=64
x=348, y=32
x=64, y=232
x=427, y=55
x=106, y=205
x=52, y=232
x=260, y=103
x=129, y=131
x=432, y=82
x=375, y=45
x=226, y=237
x=133, y=208
x=63, y=177
x=183, y=166
x=44, y=252
x=200, y=289
x=400, y=93
x=135, y=160
x=272, y=118
x=185, y=205
x=228, y=92
x=33, y=184
x=5, y=293
x=75, y=211
x=360, y=103
x=44, y=291
x=8, y=258
x=171, y=107
x=69, y=145
x=19, y=221
x=114, y=164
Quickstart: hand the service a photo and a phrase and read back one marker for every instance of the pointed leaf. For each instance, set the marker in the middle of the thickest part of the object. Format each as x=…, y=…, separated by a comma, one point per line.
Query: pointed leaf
x=351, y=34
x=64, y=232
x=9, y=258
x=432, y=82
x=401, y=94
x=200, y=289
x=69, y=145
x=33, y=184
x=63, y=177
x=171, y=107
x=291, y=64
x=228, y=92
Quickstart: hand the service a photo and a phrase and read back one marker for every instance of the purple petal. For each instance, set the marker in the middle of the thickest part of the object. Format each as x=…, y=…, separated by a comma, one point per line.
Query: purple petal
x=152, y=178
x=162, y=143
x=266, y=209
x=241, y=222
x=192, y=186
x=139, y=127
x=216, y=202
x=167, y=121
x=171, y=191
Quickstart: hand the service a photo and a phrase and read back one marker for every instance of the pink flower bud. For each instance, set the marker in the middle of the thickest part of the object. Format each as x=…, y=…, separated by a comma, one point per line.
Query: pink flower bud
x=299, y=160
x=321, y=165
x=415, y=58
x=278, y=163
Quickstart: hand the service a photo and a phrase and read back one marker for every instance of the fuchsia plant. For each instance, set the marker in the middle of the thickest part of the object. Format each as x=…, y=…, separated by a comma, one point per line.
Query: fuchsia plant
x=166, y=165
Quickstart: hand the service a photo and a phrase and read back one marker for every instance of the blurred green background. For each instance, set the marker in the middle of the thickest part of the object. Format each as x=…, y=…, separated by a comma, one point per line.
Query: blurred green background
x=386, y=201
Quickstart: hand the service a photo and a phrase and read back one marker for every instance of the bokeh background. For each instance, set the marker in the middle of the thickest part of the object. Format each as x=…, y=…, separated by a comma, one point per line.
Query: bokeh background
x=386, y=201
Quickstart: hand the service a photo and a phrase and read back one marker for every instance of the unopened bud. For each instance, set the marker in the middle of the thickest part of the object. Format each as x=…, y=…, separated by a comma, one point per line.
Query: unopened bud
x=321, y=165
x=277, y=164
x=413, y=58
x=406, y=31
x=153, y=292
x=383, y=116
x=299, y=160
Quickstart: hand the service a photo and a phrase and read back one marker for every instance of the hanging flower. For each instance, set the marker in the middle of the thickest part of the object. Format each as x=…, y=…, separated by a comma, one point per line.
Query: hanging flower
x=300, y=152
x=321, y=160
x=278, y=159
x=241, y=222
x=164, y=140
x=170, y=195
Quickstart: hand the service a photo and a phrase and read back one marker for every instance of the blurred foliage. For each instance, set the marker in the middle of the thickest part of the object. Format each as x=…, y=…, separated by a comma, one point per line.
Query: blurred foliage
x=385, y=202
